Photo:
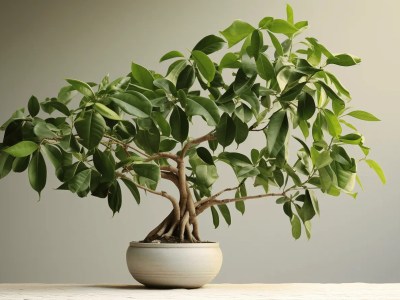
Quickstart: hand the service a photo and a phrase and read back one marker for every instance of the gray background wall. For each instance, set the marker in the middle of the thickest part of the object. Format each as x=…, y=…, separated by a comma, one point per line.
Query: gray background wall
x=63, y=238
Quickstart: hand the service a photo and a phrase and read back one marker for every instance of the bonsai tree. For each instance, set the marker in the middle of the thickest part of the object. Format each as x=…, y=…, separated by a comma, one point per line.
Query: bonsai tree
x=135, y=130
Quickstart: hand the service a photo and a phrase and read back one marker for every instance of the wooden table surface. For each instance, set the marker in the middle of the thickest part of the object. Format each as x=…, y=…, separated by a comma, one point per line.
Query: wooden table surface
x=309, y=291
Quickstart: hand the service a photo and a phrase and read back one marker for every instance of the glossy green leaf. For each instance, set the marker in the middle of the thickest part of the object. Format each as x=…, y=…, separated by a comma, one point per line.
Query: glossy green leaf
x=282, y=26
x=265, y=68
x=205, y=155
x=104, y=164
x=292, y=93
x=133, y=103
x=33, y=106
x=81, y=87
x=226, y=130
x=363, y=115
x=276, y=43
x=90, y=128
x=229, y=60
x=242, y=83
x=204, y=107
x=204, y=64
x=171, y=54
x=236, y=32
x=332, y=121
x=186, y=78
x=150, y=172
x=42, y=131
x=106, y=112
x=175, y=70
x=351, y=138
x=133, y=189
x=276, y=132
x=306, y=106
x=242, y=131
x=6, y=163
x=289, y=14
x=343, y=60
x=209, y=44
x=22, y=149
x=215, y=216
x=80, y=181
x=20, y=164
x=340, y=88
x=37, y=172
x=142, y=76
x=377, y=168
x=314, y=200
x=179, y=124
x=61, y=107
x=223, y=208
x=115, y=197
x=296, y=226
x=320, y=159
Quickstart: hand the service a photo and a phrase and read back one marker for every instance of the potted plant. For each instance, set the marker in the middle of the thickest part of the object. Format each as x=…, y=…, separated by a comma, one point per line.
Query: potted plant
x=135, y=131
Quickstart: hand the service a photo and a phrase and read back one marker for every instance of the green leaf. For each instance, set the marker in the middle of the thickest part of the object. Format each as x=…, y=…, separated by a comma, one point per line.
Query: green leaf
x=282, y=26
x=314, y=200
x=223, y=208
x=230, y=60
x=133, y=103
x=106, y=112
x=186, y=78
x=175, y=70
x=320, y=159
x=236, y=32
x=205, y=155
x=142, y=76
x=54, y=155
x=204, y=107
x=332, y=121
x=149, y=172
x=149, y=139
x=6, y=164
x=377, y=168
x=171, y=54
x=80, y=182
x=209, y=44
x=276, y=43
x=265, y=68
x=62, y=108
x=161, y=123
x=343, y=60
x=226, y=130
x=292, y=93
x=215, y=216
x=115, y=197
x=340, y=88
x=276, y=132
x=22, y=149
x=242, y=131
x=204, y=64
x=289, y=14
x=296, y=226
x=306, y=106
x=81, y=87
x=338, y=104
x=42, y=131
x=179, y=124
x=20, y=164
x=363, y=115
x=240, y=206
x=33, y=106
x=351, y=138
x=104, y=164
x=242, y=83
x=133, y=189
x=90, y=128
x=37, y=172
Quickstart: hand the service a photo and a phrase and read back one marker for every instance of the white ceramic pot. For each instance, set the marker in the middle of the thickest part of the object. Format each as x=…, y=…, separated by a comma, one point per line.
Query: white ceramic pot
x=175, y=265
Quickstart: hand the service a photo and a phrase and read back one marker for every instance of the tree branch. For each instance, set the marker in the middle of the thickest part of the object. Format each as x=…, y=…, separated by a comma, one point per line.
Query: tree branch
x=212, y=202
x=208, y=137
x=126, y=145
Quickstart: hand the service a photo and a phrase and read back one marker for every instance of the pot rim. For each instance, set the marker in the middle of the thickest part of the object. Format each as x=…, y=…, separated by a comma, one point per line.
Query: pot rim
x=135, y=244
